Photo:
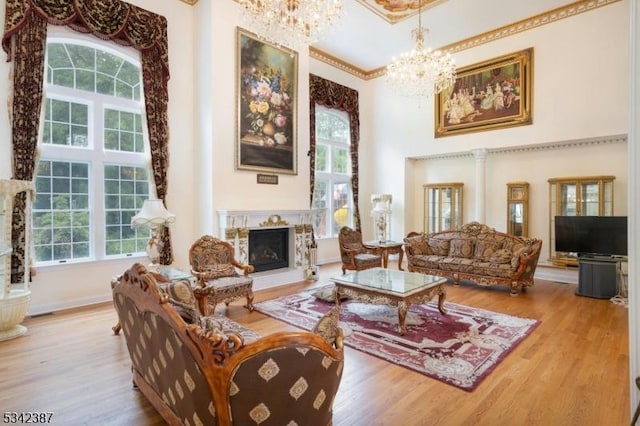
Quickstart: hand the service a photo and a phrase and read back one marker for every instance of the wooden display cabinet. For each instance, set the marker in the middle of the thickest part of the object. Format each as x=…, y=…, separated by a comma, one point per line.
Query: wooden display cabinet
x=442, y=206
x=577, y=196
x=518, y=209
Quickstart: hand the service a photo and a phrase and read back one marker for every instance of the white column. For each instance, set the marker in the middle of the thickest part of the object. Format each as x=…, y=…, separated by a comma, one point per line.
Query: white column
x=481, y=177
x=634, y=201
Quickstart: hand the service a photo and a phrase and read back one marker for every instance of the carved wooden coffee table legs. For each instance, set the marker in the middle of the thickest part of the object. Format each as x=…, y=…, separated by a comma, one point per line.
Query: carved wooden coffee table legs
x=403, y=305
x=402, y=302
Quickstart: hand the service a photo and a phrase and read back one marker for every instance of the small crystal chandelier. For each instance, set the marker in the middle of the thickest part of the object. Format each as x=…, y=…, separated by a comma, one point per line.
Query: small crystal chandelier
x=421, y=73
x=291, y=23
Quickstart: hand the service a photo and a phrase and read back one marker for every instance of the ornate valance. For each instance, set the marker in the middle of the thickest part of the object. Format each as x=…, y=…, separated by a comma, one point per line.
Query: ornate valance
x=113, y=20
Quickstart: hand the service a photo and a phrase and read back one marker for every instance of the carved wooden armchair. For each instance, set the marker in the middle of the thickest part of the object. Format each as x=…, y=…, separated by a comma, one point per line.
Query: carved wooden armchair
x=354, y=254
x=214, y=266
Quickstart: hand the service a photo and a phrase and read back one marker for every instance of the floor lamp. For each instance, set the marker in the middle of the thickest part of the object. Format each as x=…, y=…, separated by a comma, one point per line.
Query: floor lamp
x=156, y=216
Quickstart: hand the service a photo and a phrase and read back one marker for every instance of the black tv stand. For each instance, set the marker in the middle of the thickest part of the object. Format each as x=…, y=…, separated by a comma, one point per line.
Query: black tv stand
x=598, y=275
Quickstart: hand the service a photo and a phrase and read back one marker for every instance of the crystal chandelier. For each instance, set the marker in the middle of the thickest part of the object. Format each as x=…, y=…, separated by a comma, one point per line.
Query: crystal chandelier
x=421, y=73
x=291, y=23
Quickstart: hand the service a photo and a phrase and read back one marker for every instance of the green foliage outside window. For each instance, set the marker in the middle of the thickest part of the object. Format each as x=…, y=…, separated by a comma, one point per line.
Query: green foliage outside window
x=70, y=192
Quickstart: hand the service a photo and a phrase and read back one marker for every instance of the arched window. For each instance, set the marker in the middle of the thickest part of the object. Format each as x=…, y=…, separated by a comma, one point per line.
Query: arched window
x=332, y=205
x=93, y=173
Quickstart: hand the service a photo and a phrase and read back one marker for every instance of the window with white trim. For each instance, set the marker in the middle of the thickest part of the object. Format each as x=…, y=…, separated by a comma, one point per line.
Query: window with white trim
x=93, y=173
x=332, y=206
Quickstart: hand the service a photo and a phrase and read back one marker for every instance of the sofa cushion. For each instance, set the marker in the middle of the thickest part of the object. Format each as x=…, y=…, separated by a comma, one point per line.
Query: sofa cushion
x=326, y=294
x=231, y=327
x=461, y=247
x=513, y=244
x=209, y=324
x=418, y=244
x=485, y=248
x=522, y=251
x=501, y=256
x=426, y=261
x=327, y=327
x=182, y=298
x=439, y=246
x=488, y=269
x=457, y=264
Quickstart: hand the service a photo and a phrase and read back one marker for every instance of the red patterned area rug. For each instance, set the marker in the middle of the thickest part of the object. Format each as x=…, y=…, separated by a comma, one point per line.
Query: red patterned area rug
x=460, y=348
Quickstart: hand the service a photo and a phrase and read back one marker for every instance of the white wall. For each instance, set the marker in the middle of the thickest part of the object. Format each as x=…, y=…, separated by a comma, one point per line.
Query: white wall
x=237, y=189
x=580, y=91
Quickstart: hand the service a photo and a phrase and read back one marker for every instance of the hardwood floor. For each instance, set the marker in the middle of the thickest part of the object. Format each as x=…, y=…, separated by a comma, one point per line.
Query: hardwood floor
x=573, y=370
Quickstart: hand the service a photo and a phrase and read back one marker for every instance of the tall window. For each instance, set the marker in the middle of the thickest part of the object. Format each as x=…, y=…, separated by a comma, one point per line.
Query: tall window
x=332, y=205
x=92, y=176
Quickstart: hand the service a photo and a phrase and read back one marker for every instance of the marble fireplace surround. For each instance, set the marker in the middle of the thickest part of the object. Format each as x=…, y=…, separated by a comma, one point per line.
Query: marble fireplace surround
x=236, y=224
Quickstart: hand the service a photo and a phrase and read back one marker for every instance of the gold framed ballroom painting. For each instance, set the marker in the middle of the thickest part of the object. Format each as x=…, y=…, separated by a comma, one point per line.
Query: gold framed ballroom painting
x=490, y=95
x=266, y=93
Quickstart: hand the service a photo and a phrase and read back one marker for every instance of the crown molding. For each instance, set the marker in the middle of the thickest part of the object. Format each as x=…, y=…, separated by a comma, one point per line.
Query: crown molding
x=536, y=21
x=550, y=146
x=191, y=2
x=337, y=63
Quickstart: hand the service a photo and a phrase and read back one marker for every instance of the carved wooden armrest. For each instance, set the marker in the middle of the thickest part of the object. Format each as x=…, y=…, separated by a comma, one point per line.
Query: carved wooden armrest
x=246, y=269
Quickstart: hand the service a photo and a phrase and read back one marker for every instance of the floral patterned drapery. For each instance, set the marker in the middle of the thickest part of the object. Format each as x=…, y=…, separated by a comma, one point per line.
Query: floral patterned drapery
x=24, y=40
x=334, y=95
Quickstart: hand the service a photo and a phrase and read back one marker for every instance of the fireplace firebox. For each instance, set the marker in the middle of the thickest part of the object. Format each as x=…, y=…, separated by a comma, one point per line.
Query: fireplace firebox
x=269, y=249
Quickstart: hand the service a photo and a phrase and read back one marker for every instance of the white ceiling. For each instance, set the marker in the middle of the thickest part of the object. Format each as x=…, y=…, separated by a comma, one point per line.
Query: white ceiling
x=367, y=41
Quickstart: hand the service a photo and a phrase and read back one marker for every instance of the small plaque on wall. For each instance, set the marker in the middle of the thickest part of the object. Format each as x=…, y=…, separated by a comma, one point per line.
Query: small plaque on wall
x=268, y=179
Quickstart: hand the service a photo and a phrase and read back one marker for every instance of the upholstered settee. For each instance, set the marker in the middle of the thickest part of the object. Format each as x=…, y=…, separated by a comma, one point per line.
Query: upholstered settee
x=210, y=370
x=477, y=253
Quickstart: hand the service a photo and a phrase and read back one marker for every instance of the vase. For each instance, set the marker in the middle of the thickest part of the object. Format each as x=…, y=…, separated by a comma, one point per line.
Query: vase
x=13, y=309
x=268, y=129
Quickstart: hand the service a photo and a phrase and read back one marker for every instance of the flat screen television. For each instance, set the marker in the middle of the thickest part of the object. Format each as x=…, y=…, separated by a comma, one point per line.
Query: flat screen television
x=600, y=235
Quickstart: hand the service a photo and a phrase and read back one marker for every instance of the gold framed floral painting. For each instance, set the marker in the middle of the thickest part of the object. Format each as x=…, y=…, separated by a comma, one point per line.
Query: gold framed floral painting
x=490, y=95
x=266, y=106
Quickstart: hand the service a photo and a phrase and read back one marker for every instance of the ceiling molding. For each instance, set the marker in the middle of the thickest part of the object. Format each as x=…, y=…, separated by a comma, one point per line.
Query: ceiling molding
x=393, y=11
x=191, y=2
x=337, y=63
x=536, y=21
x=576, y=143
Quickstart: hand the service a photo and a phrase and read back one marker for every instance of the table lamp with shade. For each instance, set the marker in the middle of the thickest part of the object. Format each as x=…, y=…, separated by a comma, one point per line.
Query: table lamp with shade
x=155, y=215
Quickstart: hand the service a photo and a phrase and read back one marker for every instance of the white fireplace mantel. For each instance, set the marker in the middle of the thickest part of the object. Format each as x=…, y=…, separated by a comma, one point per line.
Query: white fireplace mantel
x=259, y=218
x=236, y=224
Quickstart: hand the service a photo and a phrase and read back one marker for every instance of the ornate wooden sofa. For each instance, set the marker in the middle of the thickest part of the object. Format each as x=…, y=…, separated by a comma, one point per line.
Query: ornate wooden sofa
x=477, y=253
x=198, y=369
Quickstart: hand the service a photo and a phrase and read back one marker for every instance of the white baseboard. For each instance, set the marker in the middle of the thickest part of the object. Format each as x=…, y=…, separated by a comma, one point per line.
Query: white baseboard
x=554, y=273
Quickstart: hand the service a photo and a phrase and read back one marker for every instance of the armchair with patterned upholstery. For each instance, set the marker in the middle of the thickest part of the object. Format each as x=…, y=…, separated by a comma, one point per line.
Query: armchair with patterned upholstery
x=214, y=265
x=211, y=370
x=354, y=254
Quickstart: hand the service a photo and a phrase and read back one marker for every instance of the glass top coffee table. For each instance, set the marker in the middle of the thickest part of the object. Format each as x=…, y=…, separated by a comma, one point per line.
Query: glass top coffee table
x=381, y=286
